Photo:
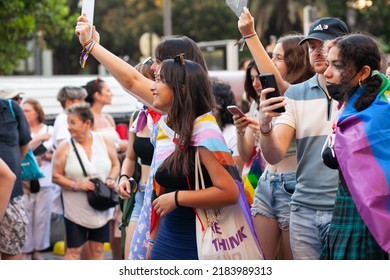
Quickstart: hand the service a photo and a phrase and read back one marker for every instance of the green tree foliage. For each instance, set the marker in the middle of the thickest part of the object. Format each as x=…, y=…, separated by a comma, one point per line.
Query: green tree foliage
x=374, y=19
x=122, y=22
x=206, y=20
x=46, y=21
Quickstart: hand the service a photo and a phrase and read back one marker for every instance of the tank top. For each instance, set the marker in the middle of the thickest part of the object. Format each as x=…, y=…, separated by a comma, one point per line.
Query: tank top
x=76, y=206
x=143, y=149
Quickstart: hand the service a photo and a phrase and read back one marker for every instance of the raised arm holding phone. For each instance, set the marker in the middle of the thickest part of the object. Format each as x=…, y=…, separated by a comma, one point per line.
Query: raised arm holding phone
x=307, y=121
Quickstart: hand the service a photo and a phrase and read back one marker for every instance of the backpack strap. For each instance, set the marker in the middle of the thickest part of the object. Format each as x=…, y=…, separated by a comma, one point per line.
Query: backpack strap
x=11, y=108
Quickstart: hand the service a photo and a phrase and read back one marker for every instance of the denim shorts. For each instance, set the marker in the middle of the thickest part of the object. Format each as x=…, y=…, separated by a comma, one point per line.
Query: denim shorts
x=273, y=196
x=139, y=201
x=308, y=231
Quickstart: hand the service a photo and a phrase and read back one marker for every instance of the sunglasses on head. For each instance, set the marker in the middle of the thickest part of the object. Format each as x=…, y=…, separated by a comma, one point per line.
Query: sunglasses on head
x=17, y=98
x=180, y=59
x=148, y=61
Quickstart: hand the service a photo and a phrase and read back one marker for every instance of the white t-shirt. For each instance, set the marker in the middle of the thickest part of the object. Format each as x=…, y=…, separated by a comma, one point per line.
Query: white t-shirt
x=229, y=133
x=46, y=166
x=60, y=131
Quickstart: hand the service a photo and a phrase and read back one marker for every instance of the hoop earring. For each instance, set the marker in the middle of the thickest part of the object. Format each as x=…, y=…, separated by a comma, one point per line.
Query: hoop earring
x=360, y=83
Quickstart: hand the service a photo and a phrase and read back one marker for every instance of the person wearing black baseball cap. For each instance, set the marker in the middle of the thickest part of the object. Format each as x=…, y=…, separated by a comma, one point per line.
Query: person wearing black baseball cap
x=326, y=28
x=308, y=120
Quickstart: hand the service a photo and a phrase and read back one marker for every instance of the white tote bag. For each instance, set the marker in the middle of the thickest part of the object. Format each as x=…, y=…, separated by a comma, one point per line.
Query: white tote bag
x=226, y=233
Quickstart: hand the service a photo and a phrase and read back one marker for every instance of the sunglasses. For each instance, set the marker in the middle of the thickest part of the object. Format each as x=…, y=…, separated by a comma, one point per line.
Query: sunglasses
x=148, y=61
x=17, y=98
x=180, y=59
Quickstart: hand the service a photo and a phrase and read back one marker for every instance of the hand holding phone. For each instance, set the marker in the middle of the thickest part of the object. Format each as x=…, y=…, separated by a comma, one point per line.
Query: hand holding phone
x=234, y=110
x=40, y=150
x=267, y=81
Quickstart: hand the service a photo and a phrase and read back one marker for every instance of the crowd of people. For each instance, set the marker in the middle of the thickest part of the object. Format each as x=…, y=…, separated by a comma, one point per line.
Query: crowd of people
x=316, y=175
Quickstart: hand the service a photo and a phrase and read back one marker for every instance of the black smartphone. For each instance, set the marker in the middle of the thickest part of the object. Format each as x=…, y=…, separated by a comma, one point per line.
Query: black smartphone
x=40, y=150
x=267, y=81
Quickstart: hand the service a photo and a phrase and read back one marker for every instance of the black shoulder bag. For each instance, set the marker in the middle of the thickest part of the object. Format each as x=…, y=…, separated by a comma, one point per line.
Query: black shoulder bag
x=102, y=197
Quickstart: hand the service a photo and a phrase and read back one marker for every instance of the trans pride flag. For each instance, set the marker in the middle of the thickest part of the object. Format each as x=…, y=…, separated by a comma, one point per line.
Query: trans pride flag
x=363, y=151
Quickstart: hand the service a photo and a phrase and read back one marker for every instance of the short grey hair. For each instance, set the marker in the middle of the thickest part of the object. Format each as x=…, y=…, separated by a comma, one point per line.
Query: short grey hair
x=71, y=93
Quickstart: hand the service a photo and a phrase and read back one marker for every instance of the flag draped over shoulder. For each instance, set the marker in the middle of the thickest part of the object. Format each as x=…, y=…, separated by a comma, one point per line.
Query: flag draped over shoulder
x=206, y=134
x=363, y=151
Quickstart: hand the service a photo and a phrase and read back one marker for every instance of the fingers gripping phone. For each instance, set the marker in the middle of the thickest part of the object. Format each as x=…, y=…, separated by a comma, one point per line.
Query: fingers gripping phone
x=235, y=110
x=267, y=81
x=40, y=150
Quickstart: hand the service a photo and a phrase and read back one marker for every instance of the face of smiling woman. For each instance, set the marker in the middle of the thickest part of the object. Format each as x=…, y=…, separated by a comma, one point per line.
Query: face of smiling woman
x=77, y=128
x=162, y=94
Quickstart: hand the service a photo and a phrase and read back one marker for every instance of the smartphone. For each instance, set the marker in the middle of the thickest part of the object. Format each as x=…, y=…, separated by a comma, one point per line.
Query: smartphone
x=88, y=7
x=267, y=81
x=40, y=150
x=235, y=110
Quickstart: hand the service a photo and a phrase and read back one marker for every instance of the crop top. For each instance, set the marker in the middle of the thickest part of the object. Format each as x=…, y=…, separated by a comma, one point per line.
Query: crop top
x=143, y=149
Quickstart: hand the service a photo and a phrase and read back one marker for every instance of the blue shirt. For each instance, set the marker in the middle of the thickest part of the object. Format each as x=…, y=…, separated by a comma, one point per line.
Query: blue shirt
x=14, y=132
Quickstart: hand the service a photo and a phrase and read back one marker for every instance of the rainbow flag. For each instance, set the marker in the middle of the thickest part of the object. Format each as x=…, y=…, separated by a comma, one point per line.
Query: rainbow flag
x=363, y=151
x=251, y=174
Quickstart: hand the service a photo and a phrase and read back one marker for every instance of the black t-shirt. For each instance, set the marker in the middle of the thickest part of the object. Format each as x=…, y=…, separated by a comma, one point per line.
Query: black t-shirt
x=14, y=132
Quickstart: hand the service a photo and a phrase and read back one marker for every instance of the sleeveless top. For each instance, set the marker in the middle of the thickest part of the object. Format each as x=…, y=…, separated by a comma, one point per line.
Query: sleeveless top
x=110, y=133
x=76, y=206
x=144, y=149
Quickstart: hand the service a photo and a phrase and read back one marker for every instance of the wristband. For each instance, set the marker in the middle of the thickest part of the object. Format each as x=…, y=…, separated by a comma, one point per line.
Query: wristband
x=242, y=41
x=176, y=201
x=267, y=133
x=240, y=133
x=73, y=186
x=124, y=175
x=151, y=243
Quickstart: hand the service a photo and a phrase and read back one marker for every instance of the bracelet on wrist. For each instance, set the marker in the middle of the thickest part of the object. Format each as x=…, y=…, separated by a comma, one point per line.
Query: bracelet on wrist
x=240, y=133
x=241, y=43
x=267, y=133
x=123, y=175
x=176, y=200
x=151, y=243
x=88, y=47
x=73, y=186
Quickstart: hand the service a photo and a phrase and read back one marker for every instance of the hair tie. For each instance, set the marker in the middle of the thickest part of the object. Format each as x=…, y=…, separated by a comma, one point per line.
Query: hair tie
x=375, y=72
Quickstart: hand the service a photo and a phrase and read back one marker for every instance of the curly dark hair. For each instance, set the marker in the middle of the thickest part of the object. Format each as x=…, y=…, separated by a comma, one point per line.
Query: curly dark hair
x=224, y=97
x=355, y=52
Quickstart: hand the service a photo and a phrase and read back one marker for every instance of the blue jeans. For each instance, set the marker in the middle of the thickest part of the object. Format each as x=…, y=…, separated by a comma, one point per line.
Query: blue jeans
x=139, y=201
x=308, y=231
x=273, y=196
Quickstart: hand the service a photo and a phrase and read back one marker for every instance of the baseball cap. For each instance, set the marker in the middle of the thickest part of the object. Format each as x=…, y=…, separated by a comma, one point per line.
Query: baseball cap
x=326, y=28
x=8, y=93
